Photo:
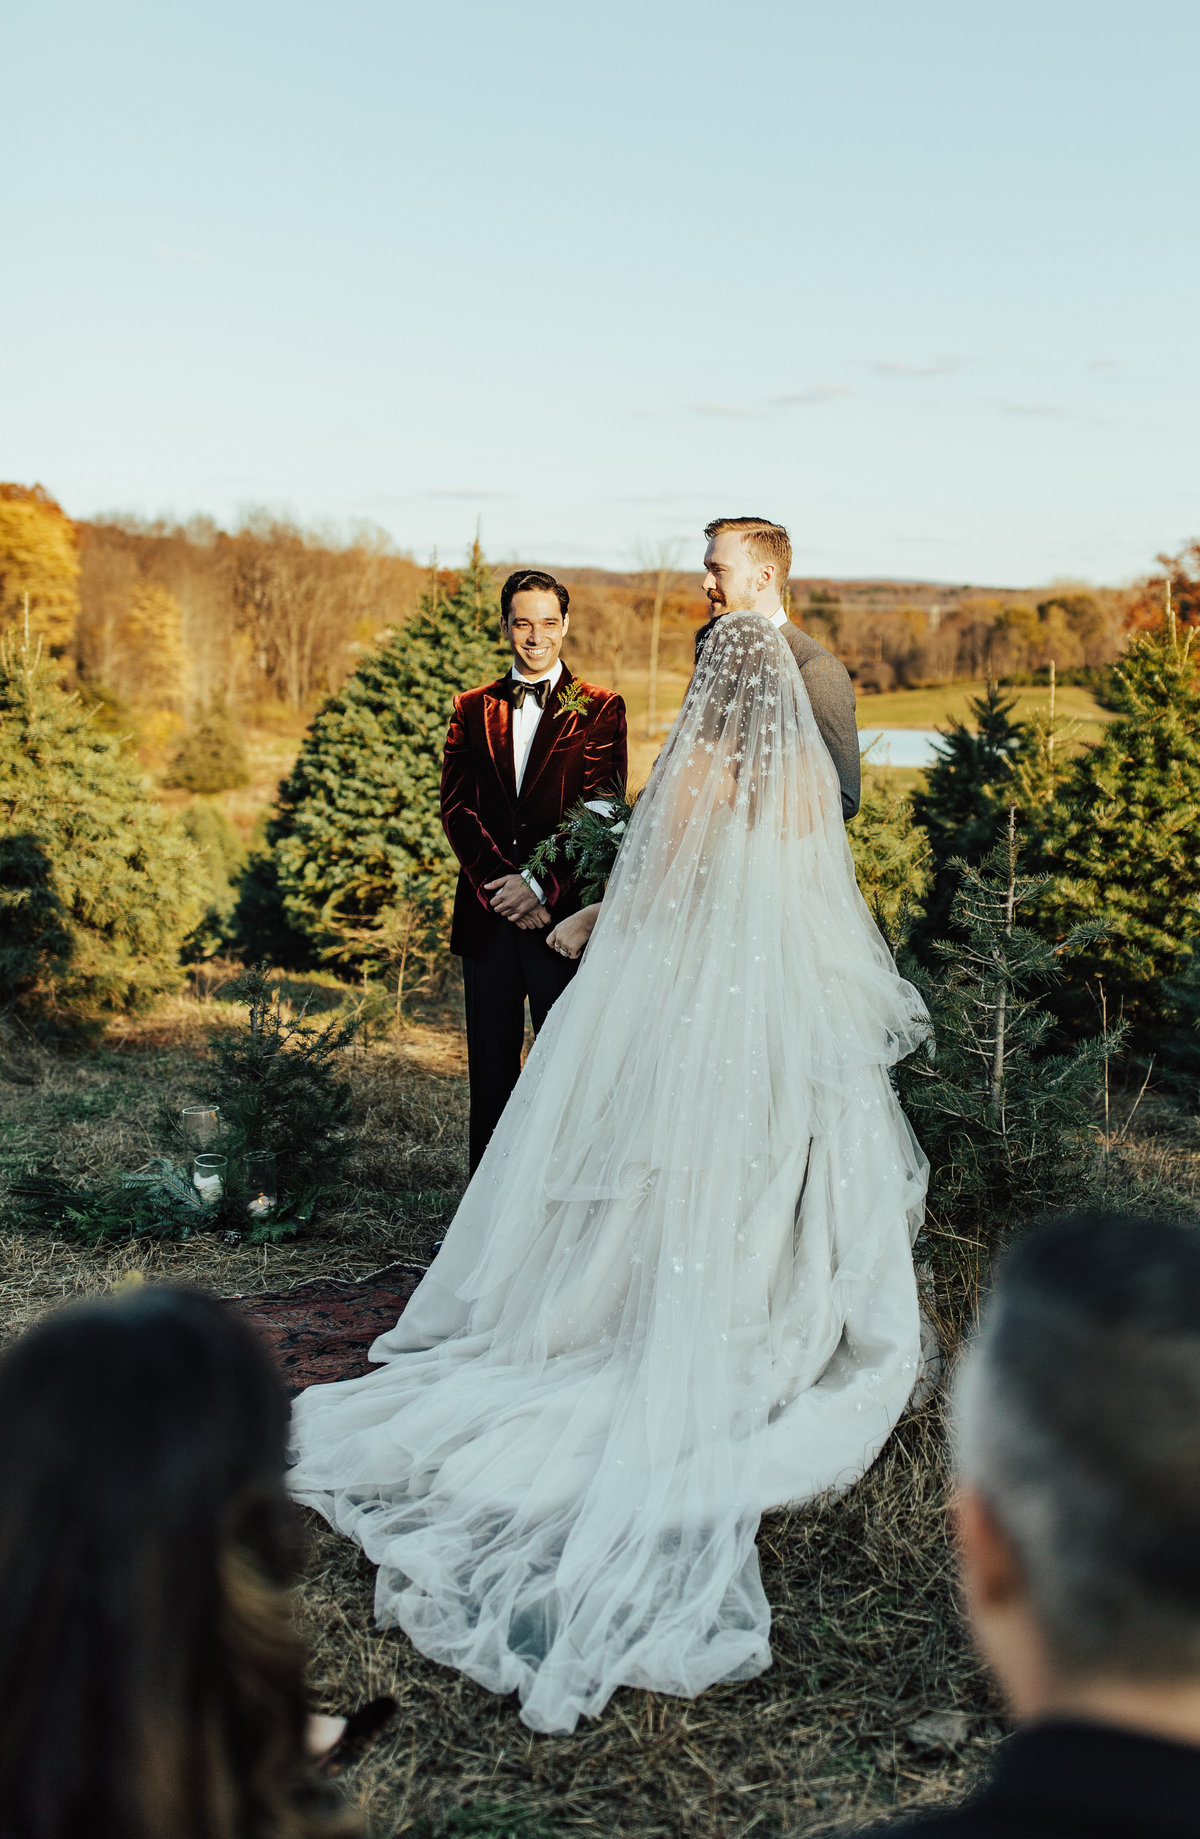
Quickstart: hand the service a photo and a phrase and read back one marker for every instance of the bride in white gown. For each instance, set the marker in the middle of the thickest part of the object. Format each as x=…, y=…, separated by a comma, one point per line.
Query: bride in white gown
x=679, y=1289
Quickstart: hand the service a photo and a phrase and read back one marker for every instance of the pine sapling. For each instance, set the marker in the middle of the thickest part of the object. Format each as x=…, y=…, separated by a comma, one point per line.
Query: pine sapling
x=1006, y=1124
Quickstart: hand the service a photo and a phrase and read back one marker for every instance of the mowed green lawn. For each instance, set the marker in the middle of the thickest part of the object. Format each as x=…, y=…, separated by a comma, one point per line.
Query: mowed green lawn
x=1075, y=708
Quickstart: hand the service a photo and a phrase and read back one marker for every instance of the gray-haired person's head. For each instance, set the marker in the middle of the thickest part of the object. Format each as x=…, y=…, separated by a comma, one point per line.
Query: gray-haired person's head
x=1078, y=1421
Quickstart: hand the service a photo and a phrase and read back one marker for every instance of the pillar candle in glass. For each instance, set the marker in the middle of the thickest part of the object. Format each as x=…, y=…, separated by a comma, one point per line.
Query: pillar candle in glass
x=201, y=1126
x=261, y=1190
x=208, y=1178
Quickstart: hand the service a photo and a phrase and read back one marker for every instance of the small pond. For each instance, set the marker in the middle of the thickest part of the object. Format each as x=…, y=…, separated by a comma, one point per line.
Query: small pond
x=899, y=746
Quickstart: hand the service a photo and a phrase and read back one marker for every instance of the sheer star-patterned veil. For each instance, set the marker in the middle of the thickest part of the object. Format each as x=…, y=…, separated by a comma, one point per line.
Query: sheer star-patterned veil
x=679, y=1289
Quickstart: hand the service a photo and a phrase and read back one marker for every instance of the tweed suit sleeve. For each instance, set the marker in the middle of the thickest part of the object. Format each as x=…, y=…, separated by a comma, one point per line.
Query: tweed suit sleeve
x=831, y=694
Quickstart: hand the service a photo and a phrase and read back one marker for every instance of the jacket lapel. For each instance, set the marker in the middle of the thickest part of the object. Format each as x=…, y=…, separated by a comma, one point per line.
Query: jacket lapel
x=497, y=723
x=545, y=736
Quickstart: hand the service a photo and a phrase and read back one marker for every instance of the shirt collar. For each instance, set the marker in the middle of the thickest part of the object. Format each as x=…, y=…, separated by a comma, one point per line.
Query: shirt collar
x=778, y=617
x=553, y=675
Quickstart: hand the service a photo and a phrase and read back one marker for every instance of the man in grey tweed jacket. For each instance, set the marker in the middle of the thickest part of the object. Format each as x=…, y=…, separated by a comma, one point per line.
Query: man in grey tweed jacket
x=747, y=564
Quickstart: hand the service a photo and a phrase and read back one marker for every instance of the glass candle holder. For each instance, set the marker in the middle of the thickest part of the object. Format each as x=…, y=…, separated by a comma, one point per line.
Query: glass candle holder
x=208, y=1178
x=262, y=1192
x=201, y=1126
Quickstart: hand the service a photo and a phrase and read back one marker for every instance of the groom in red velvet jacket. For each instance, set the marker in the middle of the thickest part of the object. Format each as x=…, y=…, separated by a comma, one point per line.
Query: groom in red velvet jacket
x=520, y=752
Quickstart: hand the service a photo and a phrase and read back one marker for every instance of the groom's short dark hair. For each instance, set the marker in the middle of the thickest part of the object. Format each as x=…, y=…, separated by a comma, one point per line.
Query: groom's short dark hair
x=522, y=580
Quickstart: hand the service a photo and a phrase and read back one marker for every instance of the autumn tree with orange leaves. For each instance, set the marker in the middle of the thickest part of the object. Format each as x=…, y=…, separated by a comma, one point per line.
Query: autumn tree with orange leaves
x=39, y=565
x=1145, y=607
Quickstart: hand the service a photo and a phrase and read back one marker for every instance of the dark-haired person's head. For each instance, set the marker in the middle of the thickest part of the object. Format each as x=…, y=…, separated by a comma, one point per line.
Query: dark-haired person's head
x=150, y=1684
x=534, y=615
x=1078, y=1456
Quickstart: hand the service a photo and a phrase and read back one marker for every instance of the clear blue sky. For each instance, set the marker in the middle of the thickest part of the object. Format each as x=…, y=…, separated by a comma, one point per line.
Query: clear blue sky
x=919, y=277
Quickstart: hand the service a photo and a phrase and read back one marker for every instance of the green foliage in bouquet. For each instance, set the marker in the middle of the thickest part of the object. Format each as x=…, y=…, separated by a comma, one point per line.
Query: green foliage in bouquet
x=1121, y=843
x=99, y=887
x=359, y=816
x=1005, y=1123
x=588, y=842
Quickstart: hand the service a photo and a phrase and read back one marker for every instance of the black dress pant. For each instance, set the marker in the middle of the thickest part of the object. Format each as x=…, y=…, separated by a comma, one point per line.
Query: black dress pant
x=516, y=965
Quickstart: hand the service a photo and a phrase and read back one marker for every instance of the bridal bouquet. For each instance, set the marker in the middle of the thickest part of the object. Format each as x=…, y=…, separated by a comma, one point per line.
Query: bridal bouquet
x=588, y=839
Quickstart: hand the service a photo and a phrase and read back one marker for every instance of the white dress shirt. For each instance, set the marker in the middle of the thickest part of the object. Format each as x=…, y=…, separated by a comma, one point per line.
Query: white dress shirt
x=526, y=719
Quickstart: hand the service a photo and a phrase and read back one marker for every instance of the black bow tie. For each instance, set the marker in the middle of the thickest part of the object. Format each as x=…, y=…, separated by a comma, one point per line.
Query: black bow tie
x=539, y=691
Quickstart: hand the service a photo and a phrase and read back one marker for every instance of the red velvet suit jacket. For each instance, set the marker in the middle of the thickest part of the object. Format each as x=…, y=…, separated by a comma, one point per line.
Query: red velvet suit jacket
x=491, y=830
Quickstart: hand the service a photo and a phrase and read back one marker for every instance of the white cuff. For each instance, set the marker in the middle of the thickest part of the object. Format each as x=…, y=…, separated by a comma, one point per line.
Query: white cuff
x=535, y=885
x=603, y=807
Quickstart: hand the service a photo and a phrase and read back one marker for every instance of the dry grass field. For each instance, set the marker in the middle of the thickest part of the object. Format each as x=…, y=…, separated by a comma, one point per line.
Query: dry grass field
x=867, y=1637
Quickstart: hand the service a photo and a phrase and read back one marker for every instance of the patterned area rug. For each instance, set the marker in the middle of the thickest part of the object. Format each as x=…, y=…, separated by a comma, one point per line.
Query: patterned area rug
x=320, y=1331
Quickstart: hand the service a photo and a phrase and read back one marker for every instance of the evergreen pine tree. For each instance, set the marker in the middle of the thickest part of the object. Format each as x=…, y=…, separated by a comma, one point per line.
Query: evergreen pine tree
x=962, y=806
x=358, y=825
x=212, y=757
x=1005, y=1124
x=107, y=886
x=891, y=855
x=276, y=1083
x=222, y=857
x=1179, y=1055
x=1122, y=839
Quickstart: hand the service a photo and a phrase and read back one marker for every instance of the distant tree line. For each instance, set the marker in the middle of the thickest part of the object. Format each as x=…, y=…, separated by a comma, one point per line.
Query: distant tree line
x=159, y=625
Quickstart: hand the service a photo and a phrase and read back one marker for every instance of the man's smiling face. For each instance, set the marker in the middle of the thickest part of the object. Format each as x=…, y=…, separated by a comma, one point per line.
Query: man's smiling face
x=535, y=628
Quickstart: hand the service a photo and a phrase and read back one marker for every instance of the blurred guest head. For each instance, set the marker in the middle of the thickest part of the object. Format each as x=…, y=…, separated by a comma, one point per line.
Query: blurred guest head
x=1078, y=1455
x=150, y=1684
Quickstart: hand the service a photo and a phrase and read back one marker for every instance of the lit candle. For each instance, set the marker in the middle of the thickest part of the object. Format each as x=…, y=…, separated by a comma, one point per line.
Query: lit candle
x=262, y=1203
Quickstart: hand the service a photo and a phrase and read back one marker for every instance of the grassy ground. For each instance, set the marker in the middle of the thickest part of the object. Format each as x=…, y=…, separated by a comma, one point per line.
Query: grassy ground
x=867, y=1637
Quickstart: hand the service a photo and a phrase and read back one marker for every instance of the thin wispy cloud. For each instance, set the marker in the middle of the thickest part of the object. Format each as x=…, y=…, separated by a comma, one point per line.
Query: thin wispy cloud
x=166, y=252
x=720, y=409
x=467, y=495
x=809, y=398
x=939, y=367
x=1041, y=411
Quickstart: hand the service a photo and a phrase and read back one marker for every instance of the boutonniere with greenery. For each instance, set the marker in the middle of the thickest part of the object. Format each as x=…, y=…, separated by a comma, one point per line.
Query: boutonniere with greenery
x=573, y=700
x=589, y=840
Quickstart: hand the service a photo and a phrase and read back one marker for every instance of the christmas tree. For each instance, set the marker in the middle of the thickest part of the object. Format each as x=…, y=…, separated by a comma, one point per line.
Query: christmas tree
x=1122, y=839
x=891, y=855
x=222, y=857
x=962, y=806
x=104, y=885
x=357, y=825
x=1179, y=1056
x=1005, y=1123
x=212, y=757
x=277, y=1085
